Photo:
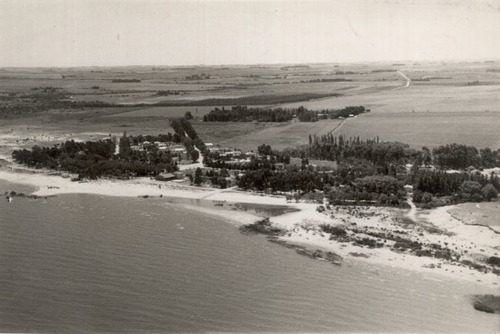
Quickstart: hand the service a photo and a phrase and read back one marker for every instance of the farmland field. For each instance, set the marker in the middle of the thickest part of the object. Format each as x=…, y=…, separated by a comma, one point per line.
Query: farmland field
x=440, y=98
x=279, y=136
x=166, y=112
x=427, y=128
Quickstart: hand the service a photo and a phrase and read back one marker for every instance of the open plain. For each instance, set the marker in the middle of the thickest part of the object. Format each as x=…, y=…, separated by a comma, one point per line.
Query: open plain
x=441, y=103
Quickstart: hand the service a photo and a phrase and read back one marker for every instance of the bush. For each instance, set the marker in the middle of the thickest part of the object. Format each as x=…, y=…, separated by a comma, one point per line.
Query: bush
x=338, y=231
x=487, y=303
x=417, y=196
x=471, y=187
x=489, y=192
x=426, y=197
x=494, y=260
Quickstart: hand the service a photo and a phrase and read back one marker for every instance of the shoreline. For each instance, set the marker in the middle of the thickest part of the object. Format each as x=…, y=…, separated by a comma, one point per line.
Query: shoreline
x=301, y=227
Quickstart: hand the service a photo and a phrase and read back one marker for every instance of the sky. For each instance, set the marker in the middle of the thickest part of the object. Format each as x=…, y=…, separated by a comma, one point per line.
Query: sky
x=36, y=33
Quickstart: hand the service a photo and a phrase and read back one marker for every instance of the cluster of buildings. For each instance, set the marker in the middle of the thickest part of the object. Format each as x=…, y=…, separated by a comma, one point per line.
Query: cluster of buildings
x=178, y=151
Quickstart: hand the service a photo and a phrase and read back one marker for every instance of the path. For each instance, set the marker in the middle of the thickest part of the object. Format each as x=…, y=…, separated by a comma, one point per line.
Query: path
x=195, y=165
x=408, y=80
x=413, y=211
x=338, y=126
x=219, y=191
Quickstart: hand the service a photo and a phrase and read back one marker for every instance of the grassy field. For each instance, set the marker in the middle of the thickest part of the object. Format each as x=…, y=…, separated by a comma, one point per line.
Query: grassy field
x=440, y=98
x=427, y=128
x=248, y=136
x=479, y=213
x=435, y=87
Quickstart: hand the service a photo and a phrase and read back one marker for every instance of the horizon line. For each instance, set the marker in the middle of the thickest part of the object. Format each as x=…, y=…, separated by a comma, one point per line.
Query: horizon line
x=483, y=60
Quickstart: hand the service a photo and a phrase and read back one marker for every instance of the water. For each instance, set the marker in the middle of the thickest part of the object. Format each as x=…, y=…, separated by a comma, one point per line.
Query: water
x=77, y=263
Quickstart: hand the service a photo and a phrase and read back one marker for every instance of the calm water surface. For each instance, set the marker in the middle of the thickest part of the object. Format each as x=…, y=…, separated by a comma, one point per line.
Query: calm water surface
x=78, y=263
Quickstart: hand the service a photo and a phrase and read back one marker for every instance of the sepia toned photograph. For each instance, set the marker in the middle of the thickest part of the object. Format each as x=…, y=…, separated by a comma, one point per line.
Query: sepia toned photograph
x=249, y=166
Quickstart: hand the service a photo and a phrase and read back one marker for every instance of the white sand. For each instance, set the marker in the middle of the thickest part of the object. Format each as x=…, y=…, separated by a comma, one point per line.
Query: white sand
x=303, y=230
x=48, y=185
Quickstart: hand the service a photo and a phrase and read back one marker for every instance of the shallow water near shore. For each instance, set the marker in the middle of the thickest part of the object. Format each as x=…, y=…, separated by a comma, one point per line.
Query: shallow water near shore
x=111, y=264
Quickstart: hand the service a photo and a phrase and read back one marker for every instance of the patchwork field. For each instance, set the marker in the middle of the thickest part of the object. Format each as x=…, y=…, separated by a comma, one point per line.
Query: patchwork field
x=443, y=102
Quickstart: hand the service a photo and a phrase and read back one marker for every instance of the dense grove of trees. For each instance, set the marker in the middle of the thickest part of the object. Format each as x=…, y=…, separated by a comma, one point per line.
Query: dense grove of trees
x=246, y=114
x=346, y=112
x=455, y=156
x=293, y=178
x=456, y=187
x=97, y=159
x=187, y=135
x=182, y=127
x=214, y=160
x=376, y=189
x=164, y=138
x=52, y=157
x=371, y=171
x=381, y=154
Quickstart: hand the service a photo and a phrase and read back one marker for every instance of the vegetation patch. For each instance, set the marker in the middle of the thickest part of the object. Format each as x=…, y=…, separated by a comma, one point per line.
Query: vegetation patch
x=262, y=227
x=268, y=210
x=319, y=254
x=355, y=254
x=487, y=303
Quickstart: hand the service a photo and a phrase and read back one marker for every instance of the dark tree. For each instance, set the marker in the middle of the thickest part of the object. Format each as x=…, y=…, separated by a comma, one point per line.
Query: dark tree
x=198, y=176
x=195, y=155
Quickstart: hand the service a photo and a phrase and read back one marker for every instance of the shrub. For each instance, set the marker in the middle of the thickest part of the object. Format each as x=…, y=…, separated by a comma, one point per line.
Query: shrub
x=494, y=260
x=338, y=231
x=471, y=187
x=417, y=196
x=489, y=192
x=426, y=197
x=487, y=303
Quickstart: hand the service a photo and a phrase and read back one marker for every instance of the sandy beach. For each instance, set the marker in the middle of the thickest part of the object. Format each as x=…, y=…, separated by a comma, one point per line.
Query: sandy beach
x=303, y=230
x=302, y=226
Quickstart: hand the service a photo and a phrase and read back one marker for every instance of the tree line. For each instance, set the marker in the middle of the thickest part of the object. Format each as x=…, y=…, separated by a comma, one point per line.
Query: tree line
x=435, y=187
x=383, y=155
x=245, y=114
x=185, y=130
x=456, y=156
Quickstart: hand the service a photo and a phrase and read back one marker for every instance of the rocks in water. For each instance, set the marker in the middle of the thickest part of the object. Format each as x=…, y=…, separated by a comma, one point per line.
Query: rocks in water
x=262, y=227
